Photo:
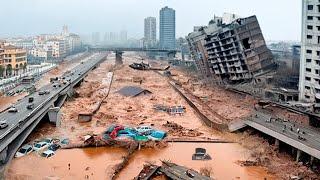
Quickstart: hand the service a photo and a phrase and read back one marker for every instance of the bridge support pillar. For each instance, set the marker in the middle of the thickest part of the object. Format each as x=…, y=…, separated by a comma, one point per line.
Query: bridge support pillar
x=311, y=160
x=119, y=57
x=3, y=155
x=298, y=155
x=70, y=92
x=55, y=115
x=277, y=144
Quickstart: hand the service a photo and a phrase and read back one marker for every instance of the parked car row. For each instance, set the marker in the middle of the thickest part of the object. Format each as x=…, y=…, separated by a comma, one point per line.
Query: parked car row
x=45, y=147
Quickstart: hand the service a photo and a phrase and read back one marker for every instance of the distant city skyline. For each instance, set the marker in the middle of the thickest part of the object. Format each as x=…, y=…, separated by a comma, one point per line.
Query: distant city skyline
x=87, y=16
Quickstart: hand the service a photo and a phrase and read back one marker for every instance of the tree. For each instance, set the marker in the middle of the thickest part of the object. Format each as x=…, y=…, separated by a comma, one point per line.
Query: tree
x=1, y=70
x=9, y=70
x=24, y=67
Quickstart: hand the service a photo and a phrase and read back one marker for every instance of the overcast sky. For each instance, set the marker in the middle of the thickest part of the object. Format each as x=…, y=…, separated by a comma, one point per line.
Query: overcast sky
x=279, y=19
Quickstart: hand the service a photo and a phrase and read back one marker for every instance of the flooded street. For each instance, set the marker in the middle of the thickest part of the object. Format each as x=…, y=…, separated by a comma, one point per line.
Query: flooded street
x=99, y=163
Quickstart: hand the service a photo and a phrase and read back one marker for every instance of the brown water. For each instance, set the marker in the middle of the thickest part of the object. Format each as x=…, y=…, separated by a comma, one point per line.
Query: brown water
x=223, y=163
x=97, y=163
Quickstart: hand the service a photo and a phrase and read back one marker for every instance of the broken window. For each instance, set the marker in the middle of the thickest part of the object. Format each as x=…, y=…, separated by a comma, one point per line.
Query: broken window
x=246, y=43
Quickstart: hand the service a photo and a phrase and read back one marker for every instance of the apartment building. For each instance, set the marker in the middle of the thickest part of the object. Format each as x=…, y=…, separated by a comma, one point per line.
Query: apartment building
x=58, y=48
x=309, y=80
x=232, y=52
x=167, y=28
x=150, y=31
x=14, y=59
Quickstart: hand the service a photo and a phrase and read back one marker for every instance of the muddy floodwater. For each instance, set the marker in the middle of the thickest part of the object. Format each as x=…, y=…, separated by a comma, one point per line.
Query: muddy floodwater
x=223, y=163
x=98, y=163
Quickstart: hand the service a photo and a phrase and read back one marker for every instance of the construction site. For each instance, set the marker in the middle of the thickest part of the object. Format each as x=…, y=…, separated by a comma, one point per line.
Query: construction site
x=125, y=123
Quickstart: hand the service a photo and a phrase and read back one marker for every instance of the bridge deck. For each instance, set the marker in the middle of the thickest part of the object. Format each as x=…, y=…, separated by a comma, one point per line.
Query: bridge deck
x=287, y=133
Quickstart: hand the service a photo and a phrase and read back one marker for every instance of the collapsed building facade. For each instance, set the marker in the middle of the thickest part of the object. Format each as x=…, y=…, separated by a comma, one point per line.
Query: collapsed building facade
x=230, y=53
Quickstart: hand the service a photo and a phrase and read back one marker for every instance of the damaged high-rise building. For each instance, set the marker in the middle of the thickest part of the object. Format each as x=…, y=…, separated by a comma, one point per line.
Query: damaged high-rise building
x=230, y=53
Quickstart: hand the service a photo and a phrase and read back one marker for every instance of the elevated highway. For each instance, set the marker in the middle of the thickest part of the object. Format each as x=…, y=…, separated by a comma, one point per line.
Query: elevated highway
x=120, y=50
x=23, y=122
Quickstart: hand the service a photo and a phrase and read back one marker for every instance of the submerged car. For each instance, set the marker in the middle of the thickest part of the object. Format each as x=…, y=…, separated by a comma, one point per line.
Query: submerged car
x=47, y=153
x=201, y=154
x=47, y=140
x=40, y=146
x=54, y=147
x=24, y=150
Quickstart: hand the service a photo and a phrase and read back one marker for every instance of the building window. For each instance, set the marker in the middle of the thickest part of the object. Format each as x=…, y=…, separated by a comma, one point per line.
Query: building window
x=309, y=51
x=310, y=17
x=309, y=37
x=307, y=87
x=310, y=27
x=307, y=97
x=308, y=60
x=317, y=71
x=308, y=69
x=308, y=78
x=310, y=7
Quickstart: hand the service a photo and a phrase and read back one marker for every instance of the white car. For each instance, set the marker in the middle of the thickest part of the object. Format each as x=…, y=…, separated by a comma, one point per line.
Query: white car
x=47, y=140
x=47, y=153
x=144, y=130
x=13, y=109
x=24, y=150
x=40, y=146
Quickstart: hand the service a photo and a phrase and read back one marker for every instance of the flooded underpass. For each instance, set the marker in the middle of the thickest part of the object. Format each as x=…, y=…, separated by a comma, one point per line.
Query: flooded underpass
x=98, y=163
